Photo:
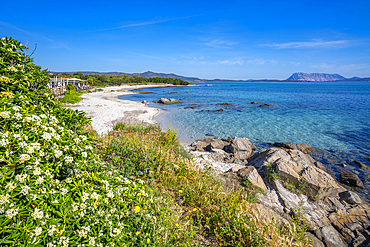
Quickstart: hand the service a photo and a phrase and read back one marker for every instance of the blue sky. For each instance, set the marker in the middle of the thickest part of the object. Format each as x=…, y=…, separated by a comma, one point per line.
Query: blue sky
x=207, y=39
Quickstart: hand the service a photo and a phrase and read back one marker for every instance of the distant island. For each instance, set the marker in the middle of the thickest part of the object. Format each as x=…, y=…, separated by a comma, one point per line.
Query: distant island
x=295, y=77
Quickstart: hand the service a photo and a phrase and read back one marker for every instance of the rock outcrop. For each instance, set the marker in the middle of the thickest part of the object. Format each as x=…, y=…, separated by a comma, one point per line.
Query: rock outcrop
x=299, y=168
x=360, y=164
x=261, y=104
x=294, y=184
x=252, y=175
x=350, y=178
x=168, y=101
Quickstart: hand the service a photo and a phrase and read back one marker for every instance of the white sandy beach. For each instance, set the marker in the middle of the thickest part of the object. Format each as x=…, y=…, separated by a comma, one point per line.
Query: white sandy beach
x=105, y=109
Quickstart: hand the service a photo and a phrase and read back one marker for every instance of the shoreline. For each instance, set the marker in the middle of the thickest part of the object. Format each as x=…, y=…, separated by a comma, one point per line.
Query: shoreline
x=105, y=108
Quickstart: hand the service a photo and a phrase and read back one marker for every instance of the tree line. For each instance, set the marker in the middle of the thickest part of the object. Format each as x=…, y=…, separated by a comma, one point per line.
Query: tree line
x=105, y=80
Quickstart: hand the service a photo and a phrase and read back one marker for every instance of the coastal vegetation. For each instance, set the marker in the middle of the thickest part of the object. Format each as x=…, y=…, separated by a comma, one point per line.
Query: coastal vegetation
x=62, y=185
x=71, y=96
x=116, y=80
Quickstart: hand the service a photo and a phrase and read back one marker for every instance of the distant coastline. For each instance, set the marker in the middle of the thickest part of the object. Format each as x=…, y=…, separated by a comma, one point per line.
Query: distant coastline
x=295, y=77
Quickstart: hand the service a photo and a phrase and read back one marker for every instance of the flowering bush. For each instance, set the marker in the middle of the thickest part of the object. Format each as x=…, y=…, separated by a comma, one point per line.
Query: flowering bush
x=54, y=190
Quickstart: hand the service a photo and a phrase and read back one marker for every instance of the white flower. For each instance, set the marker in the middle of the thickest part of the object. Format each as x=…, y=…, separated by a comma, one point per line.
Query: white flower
x=55, y=201
x=84, y=154
x=12, y=68
x=30, y=150
x=64, y=191
x=17, y=136
x=85, y=196
x=37, y=161
x=68, y=159
x=17, y=116
x=10, y=213
x=110, y=194
x=92, y=241
x=10, y=186
x=84, y=231
x=22, y=144
x=40, y=180
x=41, y=153
x=51, y=230
x=37, y=171
x=4, y=199
x=21, y=177
x=5, y=114
x=36, y=145
x=46, y=136
x=16, y=108
x=37, y=214
x=117, y=231
x=84, y=138
x=25, y=189
x=68, y=180
x=38, y=231
x=74, y=207
x=95, y=196
x=58, y=153
x=23, y=158
x=47, y=172
x=4, y=142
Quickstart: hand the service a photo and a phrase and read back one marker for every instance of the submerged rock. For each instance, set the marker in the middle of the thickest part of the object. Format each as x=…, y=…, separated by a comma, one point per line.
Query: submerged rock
x=261, y=104
x=287, y=145
x=168, y=101
x=266, y=105
x=304, y=147
x=351, y=179
x=360, y=164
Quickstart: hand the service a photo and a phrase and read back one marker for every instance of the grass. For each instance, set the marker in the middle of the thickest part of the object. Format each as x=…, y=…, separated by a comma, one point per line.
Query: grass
x=204, y=205
x=71, y=97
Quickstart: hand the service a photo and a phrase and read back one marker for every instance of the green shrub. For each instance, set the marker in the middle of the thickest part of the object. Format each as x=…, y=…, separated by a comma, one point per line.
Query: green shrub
x=54, y=189
x=217, y=212
x=119, y=126
x=71, y=97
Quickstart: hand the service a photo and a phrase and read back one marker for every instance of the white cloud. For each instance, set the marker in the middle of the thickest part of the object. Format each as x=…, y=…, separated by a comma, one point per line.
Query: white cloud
x=216, y=43
x=229, y=62
x=257, y=61
x=310, y=44
x=38, y=36
x=344, y=68
x=144, y=23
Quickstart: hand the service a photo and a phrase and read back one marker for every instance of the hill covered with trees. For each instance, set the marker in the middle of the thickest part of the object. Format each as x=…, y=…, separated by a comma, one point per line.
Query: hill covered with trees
x=105, y=80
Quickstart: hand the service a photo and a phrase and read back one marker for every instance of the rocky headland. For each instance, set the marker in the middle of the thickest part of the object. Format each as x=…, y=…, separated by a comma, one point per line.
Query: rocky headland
x=292, y=182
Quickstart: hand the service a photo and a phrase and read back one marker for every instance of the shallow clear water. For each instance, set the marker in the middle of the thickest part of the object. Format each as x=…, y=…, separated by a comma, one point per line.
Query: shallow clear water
x=333, y=117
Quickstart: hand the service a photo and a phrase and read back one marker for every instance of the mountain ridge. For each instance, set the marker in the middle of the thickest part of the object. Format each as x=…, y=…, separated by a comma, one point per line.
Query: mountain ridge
x=295, y=77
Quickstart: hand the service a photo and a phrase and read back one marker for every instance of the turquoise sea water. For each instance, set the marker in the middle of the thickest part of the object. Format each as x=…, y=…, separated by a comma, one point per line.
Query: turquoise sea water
x=332, y=116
